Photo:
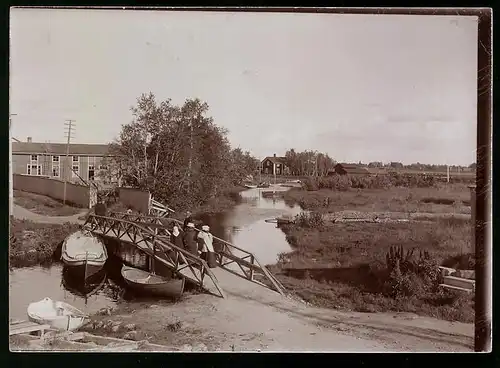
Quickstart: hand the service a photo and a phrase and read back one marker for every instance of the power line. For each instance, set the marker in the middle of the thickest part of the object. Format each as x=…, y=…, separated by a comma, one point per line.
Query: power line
x=69, y=123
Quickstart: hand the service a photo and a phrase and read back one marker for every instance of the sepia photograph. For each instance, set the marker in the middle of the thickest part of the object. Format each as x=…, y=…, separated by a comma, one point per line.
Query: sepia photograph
x=249, y=180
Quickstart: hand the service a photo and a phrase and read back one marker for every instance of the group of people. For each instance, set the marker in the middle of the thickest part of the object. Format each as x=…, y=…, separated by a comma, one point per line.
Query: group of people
x=199, y=244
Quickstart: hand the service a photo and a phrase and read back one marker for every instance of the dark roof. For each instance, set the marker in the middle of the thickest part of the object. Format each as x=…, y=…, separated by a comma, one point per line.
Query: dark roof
x=354, y=169
x=276, y=160
x=59, y=148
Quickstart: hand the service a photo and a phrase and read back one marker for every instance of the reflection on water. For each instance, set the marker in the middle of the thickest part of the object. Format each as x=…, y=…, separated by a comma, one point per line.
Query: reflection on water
x=244, y=226
x=27, y=285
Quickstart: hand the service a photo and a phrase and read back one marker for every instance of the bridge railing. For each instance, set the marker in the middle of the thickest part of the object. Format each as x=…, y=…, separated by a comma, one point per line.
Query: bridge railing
x=227, y=253
x=155, y=245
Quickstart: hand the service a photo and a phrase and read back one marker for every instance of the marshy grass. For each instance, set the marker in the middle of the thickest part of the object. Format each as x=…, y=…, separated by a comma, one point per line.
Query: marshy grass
x=344, y=266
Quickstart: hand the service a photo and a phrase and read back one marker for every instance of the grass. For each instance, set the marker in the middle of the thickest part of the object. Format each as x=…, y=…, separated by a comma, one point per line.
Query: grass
x=32, y=243
x=453, y=198
x=43, y=205
x=344, y=266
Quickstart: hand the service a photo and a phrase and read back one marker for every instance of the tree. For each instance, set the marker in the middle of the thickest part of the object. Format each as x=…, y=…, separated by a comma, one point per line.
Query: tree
x=177, y=153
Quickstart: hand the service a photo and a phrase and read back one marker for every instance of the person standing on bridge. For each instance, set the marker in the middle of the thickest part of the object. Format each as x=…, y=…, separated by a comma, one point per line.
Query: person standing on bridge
x=188, y=220
x=190, y=239
x=176, y=237
x=207, y=248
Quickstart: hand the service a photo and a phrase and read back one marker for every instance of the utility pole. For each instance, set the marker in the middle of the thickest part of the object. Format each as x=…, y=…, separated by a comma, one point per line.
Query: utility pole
x=11, y=172
x=70, y=124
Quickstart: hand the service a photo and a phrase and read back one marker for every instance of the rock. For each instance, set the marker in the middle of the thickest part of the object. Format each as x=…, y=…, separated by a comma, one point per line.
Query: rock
x=130, y=327
x=186, y=347
x=446, y=271
x=465, y=274
x=154, y=306
x=115, y=328
x=200, y=347
x=131, y=335
x=116, y=323
x=98, y=324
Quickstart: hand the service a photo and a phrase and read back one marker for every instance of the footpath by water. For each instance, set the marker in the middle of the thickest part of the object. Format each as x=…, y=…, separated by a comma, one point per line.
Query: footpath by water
x=244, y=225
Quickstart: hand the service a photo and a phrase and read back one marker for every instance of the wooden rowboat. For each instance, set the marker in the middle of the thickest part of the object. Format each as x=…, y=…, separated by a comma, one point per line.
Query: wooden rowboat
x=56, y=314
x=84, y=254
x=146, y=282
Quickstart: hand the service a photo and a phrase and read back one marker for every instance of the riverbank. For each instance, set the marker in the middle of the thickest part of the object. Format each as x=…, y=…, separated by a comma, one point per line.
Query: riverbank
x=43, y=205
x=438, y=199
x=344, y=266
x=34, y=243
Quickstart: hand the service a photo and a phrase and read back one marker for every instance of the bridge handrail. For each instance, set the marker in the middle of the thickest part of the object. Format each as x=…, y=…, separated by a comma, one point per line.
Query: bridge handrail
x=158, y=238
x=253, y=257
x=179, y=222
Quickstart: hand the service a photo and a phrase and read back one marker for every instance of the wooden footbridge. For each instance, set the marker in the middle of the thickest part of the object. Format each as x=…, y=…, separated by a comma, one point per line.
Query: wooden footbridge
x=151, y=235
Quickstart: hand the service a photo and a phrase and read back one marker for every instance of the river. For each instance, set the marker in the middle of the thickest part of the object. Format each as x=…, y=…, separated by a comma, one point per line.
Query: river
x=244, y=225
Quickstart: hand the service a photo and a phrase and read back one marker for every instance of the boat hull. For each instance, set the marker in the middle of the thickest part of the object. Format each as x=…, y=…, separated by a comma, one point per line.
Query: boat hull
x=80, y=287
x=172, y=288
x=80, y=262
x=57, y=315
x=83, y=270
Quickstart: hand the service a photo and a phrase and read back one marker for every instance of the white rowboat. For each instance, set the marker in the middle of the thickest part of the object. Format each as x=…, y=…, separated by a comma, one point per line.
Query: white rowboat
x=56, y=314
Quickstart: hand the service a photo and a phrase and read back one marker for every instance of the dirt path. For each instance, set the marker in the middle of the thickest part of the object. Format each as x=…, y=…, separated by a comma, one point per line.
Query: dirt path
x=23, y=214
x=254, y=318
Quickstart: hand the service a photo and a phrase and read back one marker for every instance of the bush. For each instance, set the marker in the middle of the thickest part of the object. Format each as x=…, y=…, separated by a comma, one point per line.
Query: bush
x=345, y=182
x=310, y=220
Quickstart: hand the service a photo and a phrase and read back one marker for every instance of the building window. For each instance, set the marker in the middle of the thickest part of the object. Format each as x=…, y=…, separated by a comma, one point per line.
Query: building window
x=55, y=159
x=55, y=171
x=76, y=158
x=34, y=159
x=91, y=172
x=103, y=167
x=35, y=170
x=74, y=171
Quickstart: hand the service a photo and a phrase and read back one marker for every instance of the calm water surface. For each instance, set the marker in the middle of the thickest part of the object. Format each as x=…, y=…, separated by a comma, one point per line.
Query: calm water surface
x=245, y=226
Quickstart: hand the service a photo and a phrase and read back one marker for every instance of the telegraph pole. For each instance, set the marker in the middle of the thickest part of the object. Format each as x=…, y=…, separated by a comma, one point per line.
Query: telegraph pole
x=70, y=126
x=11, y=172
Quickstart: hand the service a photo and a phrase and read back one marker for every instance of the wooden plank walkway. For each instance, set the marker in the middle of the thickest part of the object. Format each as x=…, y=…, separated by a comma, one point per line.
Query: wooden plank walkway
x=24, y=327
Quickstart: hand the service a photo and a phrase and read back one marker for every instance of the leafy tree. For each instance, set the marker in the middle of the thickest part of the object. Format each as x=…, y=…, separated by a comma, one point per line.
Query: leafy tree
x=177, y=153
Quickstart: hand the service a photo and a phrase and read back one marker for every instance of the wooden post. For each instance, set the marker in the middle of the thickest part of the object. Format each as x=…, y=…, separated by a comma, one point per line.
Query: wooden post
x=251, y=268
x=473, y=216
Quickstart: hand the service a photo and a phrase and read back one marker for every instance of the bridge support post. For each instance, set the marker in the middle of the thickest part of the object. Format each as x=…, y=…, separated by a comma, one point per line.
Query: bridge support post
x=251, y=269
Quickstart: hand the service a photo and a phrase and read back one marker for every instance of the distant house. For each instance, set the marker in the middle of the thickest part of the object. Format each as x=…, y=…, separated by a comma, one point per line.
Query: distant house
x=49, y=160
x=272, y=165
x=350, y=169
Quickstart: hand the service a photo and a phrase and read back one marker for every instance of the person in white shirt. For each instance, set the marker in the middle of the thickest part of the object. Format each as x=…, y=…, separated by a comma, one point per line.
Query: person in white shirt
x=207, y=248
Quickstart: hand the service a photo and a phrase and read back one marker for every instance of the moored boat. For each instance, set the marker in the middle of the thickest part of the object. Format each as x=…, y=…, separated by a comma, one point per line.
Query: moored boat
x=83, y=288
x=149, y=283
x=56, y=314
x=84, y=254
x=250, y=186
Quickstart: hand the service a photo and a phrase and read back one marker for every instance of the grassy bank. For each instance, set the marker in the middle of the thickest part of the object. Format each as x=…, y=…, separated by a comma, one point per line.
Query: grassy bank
x=345, y=266
x=443, y=198
x=32, y=243
x=43, y=205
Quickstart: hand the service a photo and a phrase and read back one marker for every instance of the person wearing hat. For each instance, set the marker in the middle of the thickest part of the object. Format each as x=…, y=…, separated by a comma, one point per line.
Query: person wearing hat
x=176, y=237
x=190, y=239
x=207, y=248
x=187, y=220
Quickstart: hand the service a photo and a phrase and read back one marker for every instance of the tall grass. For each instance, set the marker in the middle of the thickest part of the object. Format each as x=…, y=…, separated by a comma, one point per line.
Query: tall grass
x=345, y=182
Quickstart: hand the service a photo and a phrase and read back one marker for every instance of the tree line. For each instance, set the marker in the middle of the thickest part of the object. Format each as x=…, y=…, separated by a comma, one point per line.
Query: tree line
x=177, y=153
x=308, y=163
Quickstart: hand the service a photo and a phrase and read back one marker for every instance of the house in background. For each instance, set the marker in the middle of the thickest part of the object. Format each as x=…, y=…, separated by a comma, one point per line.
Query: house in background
x=350, y=169
x=274, y=166
x=49, y=160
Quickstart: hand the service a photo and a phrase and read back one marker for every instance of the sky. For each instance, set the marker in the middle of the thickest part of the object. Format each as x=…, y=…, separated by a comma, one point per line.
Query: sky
x=358, y=87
